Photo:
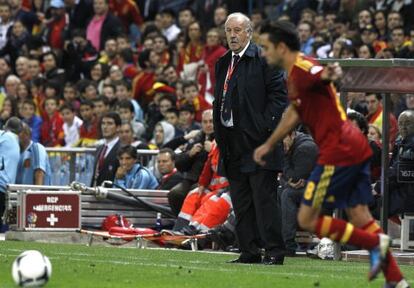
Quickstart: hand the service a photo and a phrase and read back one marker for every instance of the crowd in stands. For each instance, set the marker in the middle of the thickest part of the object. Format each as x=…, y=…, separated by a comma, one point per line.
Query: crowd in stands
x=66, y=67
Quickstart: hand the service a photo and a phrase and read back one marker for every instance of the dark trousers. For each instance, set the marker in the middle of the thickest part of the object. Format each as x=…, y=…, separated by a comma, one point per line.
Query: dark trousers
x=2, y=206
x=177, y=195
x=254, y=198
x=290, y=202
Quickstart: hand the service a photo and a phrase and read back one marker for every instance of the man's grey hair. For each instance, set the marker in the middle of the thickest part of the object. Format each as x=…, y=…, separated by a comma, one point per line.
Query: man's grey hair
x=244, y=18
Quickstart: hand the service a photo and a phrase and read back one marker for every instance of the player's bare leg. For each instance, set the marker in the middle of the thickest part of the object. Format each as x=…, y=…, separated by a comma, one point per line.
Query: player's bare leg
x=344, y=232
x=361, y=217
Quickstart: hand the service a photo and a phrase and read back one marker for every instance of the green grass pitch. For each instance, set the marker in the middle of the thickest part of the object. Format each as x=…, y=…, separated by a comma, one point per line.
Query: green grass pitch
x=96, y=266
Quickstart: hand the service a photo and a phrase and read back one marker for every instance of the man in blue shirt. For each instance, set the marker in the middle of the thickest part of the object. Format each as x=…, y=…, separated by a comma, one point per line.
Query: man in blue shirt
x=132, y=175
x=9, y=157
x=33, y=167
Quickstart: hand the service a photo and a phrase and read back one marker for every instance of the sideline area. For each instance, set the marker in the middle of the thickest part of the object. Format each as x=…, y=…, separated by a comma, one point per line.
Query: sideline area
x=81, y=266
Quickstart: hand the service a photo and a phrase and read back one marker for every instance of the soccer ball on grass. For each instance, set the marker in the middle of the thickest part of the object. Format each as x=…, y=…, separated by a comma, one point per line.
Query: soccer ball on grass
x=31, y=269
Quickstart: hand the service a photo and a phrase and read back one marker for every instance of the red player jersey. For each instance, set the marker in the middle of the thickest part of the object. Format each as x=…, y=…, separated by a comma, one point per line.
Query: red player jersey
x=339, y=142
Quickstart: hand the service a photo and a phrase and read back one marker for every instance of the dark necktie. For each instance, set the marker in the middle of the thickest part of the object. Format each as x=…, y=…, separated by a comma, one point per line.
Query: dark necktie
x=226, y=107
x=102, y=157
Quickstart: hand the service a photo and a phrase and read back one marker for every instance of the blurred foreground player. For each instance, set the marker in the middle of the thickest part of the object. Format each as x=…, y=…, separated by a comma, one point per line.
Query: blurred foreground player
x=341, y=178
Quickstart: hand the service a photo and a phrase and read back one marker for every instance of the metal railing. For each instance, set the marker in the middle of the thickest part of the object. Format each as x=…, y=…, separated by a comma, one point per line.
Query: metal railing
x=76, y=164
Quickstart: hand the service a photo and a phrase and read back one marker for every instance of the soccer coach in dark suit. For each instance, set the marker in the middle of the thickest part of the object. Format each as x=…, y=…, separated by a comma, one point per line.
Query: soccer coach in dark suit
x=250, y=98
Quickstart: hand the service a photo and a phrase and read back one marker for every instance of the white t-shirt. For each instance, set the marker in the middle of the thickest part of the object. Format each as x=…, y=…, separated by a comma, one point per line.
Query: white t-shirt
x=72, y=132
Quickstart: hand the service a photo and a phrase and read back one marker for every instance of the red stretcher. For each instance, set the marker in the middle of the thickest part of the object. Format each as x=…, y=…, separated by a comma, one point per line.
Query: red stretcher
x=121, y=236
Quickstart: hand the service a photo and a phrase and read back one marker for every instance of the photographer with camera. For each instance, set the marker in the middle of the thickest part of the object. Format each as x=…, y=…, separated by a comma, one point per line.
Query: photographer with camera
x=195, y=147
x=401, y=172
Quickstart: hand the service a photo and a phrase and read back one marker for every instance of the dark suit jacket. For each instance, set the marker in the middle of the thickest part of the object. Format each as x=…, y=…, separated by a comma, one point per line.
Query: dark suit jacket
x=109, y=166
x=79, y=15
x=259, y=97
x=170, y=182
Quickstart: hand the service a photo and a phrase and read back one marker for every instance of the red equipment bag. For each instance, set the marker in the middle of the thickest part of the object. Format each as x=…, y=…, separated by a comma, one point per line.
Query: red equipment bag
x=115, y=220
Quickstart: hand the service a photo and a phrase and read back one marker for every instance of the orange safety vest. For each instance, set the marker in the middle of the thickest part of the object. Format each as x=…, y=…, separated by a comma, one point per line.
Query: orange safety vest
x=209, y=177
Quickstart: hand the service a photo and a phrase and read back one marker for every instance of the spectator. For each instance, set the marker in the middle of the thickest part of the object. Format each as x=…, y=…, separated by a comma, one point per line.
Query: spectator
x=300, y=157
x=10, y=154
x=369, y=36
x=107, y=163
x=364, y=18
x=163, y=133
x=401, y=199
x=305, y=31
x=394, y=19
x=192, y=96
x=11, y=84
x=169, y=28
x=213, y=50
x=220, y=16
x=170, y=176
x=5, y=70
x=128, y=12
x=126, y=136
x=191, y=53
x=98, y=73
x=161, y=48
x=185, y=17
x=171, y=116
x=186, y=121
x=126, y=63
x=88, y=132
x=397, y=38
x=380, y=22
x=366, y=51
x=79, y=56
x=374, y=133
x=127, y=114
x=22, y=15
x=108, y=91
x=103, y=25
x=79, y=12
x=15, y=41
x=375, y=116
x=123, y=92
x=70, y=95
x=132, y=175
x=56, y=24
x=142, y=83
x=52, y=71
x=5, y=24
x=361, y=123
x=35, y=70
x=32, y=120
x=33, y=167
x=108, y=55
x=408, y=50
x=22, y=68
x=52, y=134
x=100, y=106
x=22, y=93
x=71, y=126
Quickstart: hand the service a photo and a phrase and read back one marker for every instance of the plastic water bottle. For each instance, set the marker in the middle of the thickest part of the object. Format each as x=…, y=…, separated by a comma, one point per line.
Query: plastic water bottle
x=158, y=222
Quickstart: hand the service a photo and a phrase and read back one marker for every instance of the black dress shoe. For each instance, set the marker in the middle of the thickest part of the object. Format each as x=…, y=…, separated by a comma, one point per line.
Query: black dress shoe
x=273, y=260
x=247, y=259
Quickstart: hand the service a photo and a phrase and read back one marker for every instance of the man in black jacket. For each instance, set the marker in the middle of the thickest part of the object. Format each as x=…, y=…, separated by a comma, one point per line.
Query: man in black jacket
x=106, y=161
x=170, y=176
x=301, y=153
x=250, y=98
